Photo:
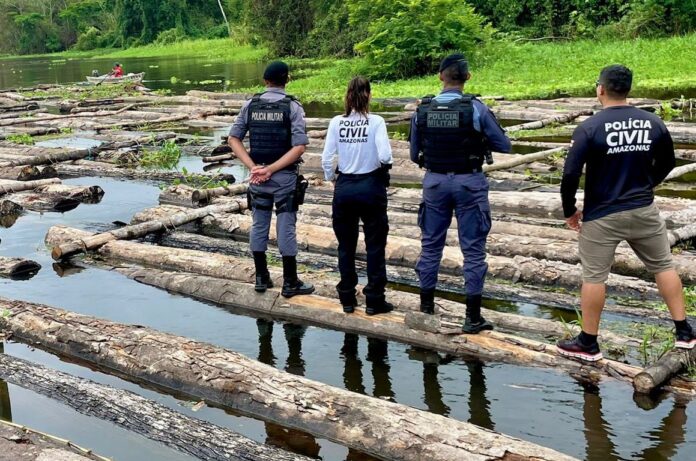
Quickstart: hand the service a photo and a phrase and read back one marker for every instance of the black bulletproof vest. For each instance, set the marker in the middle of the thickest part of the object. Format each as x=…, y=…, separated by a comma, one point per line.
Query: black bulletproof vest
x=270, y=134
x=448, y=138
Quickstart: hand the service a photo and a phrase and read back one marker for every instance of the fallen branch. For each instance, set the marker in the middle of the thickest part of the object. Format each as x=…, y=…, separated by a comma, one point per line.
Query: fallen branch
x=521, y=160
x=565, y=118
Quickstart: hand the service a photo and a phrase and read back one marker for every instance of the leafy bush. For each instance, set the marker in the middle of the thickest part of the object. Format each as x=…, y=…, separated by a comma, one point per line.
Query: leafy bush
x=91, y=39
x=167, y=37
x=413, y=36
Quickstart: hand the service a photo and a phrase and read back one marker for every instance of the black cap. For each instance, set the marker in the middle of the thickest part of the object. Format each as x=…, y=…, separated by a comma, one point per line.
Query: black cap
x=277, y=72
x=456, y=58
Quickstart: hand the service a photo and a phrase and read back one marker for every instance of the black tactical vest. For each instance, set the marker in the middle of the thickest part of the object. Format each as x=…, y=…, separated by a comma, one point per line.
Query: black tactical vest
x=448, y=139
x=270, y=133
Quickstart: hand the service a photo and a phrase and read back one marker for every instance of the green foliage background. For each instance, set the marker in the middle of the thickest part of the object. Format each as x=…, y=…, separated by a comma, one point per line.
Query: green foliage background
x=398, y=38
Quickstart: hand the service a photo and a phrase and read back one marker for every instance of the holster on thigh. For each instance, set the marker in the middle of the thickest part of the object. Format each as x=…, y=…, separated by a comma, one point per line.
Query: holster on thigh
x=259, y=200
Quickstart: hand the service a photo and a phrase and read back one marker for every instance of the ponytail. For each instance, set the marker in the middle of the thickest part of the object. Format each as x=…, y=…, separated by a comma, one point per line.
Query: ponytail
x=358, y=96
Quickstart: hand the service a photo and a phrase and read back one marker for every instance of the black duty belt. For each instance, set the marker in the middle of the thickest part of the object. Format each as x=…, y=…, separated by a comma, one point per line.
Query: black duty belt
x=457, y=171
x=359, y=175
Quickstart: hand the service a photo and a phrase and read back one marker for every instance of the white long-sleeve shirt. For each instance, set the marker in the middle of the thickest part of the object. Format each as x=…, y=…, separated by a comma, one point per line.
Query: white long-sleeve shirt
x=362, y=145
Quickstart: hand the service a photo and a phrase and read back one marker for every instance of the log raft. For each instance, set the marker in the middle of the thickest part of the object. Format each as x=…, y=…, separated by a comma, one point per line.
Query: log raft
x=130, y=411
x=383, y=429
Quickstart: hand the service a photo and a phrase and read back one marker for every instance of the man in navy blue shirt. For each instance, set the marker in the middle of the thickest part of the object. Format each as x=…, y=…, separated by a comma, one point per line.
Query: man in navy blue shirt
x=451, y=134
x=626, y=152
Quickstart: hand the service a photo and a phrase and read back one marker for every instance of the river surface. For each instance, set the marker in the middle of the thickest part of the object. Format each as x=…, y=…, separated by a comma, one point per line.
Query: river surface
x=539, y=405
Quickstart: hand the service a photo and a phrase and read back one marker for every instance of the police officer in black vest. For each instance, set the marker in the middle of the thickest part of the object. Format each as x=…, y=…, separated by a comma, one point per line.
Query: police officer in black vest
x=277, y=138
x=451, y=136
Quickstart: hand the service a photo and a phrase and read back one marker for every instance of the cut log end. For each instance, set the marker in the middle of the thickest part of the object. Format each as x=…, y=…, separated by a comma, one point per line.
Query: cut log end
x=644, y=383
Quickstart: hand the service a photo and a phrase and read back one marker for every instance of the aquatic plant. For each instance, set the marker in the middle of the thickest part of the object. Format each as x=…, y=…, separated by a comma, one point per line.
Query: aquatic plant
x=199, y=181
x=22, y=138
x=166, y=157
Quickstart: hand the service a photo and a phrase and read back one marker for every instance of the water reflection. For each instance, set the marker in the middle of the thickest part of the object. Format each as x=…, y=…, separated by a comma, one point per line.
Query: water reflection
x=598, y=437
x=479, y=405
x=352, y=372
x=669, y=436
x=5, y=404
x=378, y=354
x=432, y=395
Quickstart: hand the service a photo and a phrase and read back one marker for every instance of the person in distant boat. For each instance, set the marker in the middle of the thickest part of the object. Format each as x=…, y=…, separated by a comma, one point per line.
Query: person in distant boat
x=364, y=156
x=117, y=71
x=626, y=153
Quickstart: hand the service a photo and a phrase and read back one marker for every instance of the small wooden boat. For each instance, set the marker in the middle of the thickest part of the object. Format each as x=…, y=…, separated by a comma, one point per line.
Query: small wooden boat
x=135, y=78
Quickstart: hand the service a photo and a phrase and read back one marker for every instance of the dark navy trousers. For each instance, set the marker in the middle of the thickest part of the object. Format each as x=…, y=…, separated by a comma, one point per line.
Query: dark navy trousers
x=361, y=198
x=467, y=196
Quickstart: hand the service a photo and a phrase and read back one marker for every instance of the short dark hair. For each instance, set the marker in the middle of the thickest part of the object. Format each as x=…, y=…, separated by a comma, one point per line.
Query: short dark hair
x=616, y=80
x=456, y=73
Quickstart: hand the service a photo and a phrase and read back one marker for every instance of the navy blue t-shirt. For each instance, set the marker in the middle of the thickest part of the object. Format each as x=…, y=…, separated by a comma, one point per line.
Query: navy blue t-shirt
x=627, y=152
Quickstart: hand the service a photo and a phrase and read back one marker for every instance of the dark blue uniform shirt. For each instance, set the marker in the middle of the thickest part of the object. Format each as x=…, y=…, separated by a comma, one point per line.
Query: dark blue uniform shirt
x=484, y=122
x=626, y=151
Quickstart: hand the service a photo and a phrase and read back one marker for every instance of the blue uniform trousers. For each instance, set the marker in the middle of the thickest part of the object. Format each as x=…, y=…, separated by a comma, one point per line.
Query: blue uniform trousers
x=274, y=191
x=467, y=196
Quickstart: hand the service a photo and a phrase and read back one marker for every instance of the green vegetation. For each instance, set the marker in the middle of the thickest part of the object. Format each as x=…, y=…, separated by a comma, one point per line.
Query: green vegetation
x=689, y=298
x=656, y=341
x=199, y=181
x=83, y=93
x=166, y=157
x=22, y=138
x=667, y=112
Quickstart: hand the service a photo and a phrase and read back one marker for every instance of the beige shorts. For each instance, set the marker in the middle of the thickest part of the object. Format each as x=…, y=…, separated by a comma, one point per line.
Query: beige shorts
x=642, y=228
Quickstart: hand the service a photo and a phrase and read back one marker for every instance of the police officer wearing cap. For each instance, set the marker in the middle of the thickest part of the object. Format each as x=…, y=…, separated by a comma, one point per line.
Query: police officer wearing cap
x=277, y=138
x=451, y=136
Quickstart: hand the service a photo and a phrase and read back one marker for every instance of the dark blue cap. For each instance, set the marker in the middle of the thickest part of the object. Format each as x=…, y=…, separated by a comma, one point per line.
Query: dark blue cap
x=277, y=72
x=455, y=58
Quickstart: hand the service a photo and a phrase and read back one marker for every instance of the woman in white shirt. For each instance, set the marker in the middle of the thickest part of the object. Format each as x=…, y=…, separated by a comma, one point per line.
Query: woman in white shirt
x=364, y=156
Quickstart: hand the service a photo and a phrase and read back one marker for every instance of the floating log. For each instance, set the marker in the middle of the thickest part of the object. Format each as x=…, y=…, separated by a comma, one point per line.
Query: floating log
x=218, y=158
x=137, y=414
x=84, y=194
x=41, y=202
x=24, y=173
x=205, y=260
x=404, y=252
x=680, y=171
x=19, y=443
x=18, y=268
x=661, y=371
x=222, y=377
x=681, y=234
x=31, y=132
x=60, y=156
x=79, y=168
x=523, y=159
x=9, y=208
x=564, y=118
x=140, y=230
x=24, y=121
x=186, y=196
x=9, y=187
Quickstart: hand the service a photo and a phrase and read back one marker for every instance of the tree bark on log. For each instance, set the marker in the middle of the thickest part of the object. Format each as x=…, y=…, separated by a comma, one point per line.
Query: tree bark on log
x=383, y=429
x=186, y=196
x=60, y=117
x=680, y=171
x=83, y=194
x=51, y=158
x=523, y=159
x=681, y=234
x=18, y=268
x=9, y=187
x=9, y=208
x=140, y=230
x=231, y=265
x=137, y=414
x=218, y=158
x=26, y=173
x=42, y=202
x=665, y=368
x=565, y=118
x=404, y=252
x=80, y=168
x=19, y=443
x=30, y=131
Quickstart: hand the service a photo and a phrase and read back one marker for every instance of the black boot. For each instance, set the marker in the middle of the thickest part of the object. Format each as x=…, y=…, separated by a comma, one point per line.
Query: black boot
x=474, y=322
x=263, y=277
x=377, y=305
x=427, y=305
x=348, y=299
x=292, y=285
